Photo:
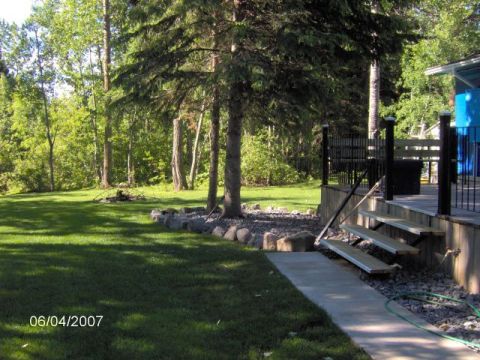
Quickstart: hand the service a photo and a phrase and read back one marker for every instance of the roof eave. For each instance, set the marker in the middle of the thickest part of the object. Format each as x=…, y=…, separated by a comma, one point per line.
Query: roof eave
x=451, y=68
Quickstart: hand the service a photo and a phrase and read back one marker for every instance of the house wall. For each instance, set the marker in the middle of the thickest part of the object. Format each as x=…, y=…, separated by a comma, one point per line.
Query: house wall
x=464, y=268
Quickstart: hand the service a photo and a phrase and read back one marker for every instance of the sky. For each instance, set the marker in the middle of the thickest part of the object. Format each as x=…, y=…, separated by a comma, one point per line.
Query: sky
x=16, y=10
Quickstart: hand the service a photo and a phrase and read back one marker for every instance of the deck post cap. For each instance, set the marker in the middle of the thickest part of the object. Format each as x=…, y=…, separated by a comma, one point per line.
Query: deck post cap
x=445, y=113
x=390, y=118
x=325, y=125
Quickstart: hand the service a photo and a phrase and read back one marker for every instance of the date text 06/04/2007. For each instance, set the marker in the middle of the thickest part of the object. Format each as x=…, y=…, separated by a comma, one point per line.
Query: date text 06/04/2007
x=66, y=320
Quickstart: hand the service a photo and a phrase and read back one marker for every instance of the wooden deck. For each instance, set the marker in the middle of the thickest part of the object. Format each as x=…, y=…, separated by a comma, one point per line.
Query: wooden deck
x=427, y=203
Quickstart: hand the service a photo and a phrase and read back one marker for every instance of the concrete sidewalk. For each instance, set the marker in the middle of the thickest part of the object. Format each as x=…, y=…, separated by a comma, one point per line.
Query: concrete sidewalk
x=359, y=310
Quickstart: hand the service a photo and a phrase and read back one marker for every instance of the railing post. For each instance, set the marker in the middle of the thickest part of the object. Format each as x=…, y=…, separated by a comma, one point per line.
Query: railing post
x=389, y=145
x=325, y=154
x=444, y=166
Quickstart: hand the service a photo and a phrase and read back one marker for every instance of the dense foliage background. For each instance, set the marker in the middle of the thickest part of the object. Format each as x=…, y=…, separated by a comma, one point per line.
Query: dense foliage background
x=302, y=63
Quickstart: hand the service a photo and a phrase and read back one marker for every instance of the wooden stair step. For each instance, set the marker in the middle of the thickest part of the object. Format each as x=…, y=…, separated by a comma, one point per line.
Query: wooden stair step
x=401, y=223
x=357, y=257
x=380, y=240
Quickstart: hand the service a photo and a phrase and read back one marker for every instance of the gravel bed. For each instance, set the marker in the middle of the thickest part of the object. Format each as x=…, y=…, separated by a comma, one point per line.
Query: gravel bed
x=280, y=222
x=454, y=319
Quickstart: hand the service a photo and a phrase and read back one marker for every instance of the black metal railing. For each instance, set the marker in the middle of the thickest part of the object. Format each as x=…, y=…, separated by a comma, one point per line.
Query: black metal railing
x=346, y=158
x=350, y=156
x=466, y=174
x=453, y=160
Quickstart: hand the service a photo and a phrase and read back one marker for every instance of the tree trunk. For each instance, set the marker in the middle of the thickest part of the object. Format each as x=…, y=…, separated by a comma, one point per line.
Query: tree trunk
x=130, y=163
x=107, y=145
x=196, y=145
x=374, y=99
x=178, y=174
x=214, y=144
x=374, y=90
x=94, y=122
x=214, y=132
x=48, y=128
x=189, y=145
x=232, y=202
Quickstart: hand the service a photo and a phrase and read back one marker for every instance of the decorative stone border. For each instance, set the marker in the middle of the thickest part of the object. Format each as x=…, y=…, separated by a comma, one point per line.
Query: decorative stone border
x=290, y=235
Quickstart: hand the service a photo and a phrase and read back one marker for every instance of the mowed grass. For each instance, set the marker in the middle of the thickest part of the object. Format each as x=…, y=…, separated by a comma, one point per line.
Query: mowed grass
x=162, y=295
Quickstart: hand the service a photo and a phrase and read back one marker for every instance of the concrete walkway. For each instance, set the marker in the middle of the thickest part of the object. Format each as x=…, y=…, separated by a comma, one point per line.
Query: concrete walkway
x=359, y=310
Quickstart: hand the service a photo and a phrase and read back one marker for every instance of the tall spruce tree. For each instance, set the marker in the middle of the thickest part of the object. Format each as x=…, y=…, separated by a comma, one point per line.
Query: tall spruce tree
x=285, y=58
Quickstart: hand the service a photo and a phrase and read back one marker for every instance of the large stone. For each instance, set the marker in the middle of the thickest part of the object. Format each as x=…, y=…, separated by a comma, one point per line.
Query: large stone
x=231, y=233
x=167, y=218
x=244, y=235
x=251, y=242
x=175, y=222
x=256, y=207
x=257, y=240
x=197, y=226
x=310, y=212
x=299, y=242
x=156, y=215
x=218, y=231
x=172, y=223
x=269, y=241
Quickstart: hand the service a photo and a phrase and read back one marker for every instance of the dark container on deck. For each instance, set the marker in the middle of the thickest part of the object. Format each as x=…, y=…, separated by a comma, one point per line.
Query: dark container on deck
x=406, y=177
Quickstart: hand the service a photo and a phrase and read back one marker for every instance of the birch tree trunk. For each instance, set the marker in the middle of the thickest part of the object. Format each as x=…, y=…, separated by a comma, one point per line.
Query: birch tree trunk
x=196, y=145
x=46, y=115
x=178, y=174
x=214, y=134
x=374, y=90
x=94, y=122
x=130, y=161
x=107, y=145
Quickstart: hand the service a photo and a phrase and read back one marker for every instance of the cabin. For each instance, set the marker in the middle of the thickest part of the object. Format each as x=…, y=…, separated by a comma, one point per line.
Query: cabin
x=466, y=73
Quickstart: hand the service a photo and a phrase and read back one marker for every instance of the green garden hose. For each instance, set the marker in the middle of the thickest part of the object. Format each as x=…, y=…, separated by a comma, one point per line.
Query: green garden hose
x=420, y=296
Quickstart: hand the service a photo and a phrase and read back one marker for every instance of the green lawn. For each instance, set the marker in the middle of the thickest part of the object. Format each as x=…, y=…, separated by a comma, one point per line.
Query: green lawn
x=163, y=295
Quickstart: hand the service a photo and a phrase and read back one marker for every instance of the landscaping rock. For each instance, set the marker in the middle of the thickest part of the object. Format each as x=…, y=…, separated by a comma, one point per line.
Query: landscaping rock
x=282, y=210
x=244, y=235
x=269, y=209
x=173, y=223
x=256, y=207
x=252, y=242
x=156, y=215
x=231, y=233
x=167, y=218
x=258, y=239
x=299, y=242
x=269, y=241
x=310, y=212
x=244, y=206
x=218, y=231
x=295, y=212
x=197, y=226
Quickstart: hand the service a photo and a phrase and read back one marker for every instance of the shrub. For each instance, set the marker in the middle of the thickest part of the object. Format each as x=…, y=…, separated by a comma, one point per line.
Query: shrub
x=262, y=163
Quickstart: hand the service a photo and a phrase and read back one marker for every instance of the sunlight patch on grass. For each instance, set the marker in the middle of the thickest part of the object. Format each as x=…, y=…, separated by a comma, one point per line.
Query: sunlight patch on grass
x=161, y=293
